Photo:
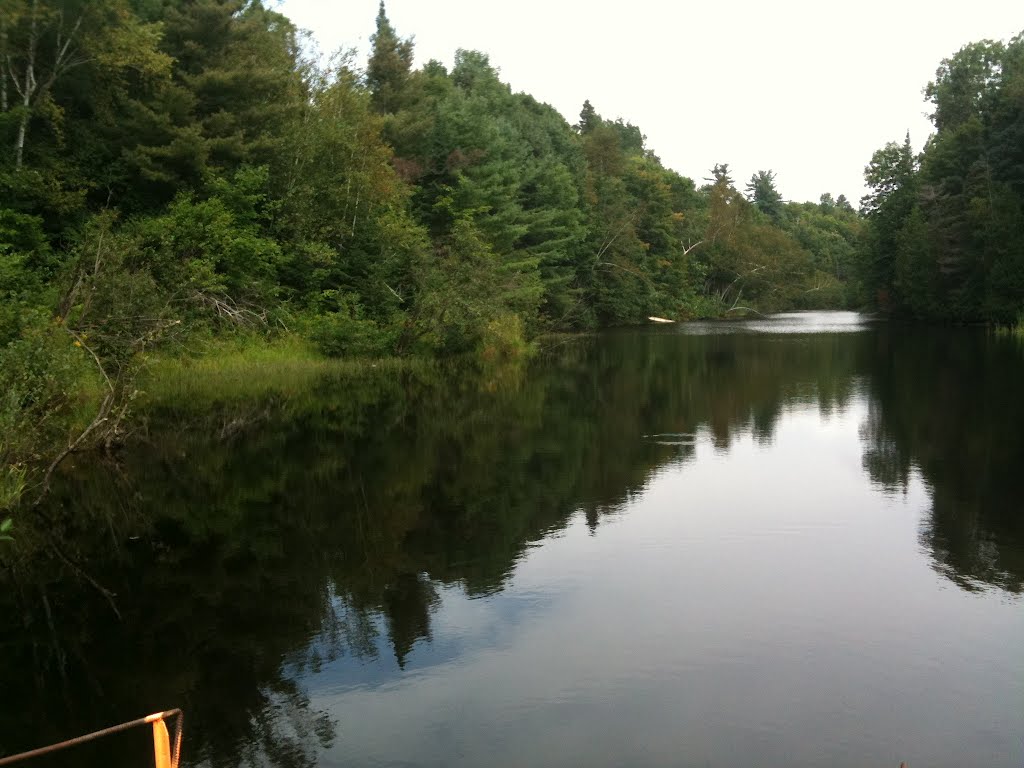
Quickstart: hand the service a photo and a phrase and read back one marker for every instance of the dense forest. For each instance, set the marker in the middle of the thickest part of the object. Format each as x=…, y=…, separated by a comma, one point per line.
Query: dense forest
x=190, y=151
x=175, y=171
x=946, y=227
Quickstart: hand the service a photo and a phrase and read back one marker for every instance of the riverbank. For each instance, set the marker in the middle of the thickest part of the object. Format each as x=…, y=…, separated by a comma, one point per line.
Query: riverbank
x=206, y=372
x=1016, y=330
x=80, y=408
x=245, y=368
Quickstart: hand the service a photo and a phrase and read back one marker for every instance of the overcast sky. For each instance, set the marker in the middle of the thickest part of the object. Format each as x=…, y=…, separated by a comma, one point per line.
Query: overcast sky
x=806, y=88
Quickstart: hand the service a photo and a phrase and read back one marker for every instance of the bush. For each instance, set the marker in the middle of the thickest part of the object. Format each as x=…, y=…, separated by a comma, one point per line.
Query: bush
x=47, y=393
x=12, y=485
x=345, y=332
x=24, y=263
x=503, y=338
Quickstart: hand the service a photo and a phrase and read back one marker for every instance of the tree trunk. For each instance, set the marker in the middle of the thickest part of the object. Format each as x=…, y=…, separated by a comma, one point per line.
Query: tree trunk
x=3, y=65
x=19, y=141
x=28, y=89
x=31, y=90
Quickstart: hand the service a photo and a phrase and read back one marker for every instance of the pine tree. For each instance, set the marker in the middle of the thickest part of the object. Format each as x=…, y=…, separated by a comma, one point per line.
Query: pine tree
x=387, y=73
x=762, y=193
x=892, y=178
x=588, y=119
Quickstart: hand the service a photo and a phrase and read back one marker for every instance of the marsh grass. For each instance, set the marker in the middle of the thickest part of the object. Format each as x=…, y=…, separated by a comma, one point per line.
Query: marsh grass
x=246, y=368
x=12, y=485
x=1014, y=331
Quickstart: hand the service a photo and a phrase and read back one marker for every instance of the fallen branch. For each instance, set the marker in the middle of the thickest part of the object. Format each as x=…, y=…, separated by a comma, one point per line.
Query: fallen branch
x=748, y=309
x=226, y=308
x=101, y=417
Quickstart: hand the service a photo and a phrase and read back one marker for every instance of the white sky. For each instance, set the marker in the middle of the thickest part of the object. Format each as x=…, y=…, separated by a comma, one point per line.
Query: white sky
x=806, y=88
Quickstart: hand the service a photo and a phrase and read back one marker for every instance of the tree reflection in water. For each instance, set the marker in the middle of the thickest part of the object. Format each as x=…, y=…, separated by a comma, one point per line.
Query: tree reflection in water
x=322, y=526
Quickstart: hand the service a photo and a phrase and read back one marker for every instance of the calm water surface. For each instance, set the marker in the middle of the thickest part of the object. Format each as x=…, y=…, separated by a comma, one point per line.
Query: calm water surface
x=796, y=541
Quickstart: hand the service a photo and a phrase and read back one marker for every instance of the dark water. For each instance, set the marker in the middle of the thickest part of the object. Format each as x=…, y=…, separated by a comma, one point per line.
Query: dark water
x=786, y=543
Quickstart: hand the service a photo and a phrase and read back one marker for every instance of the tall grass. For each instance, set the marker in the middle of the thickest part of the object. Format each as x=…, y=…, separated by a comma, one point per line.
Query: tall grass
x=244, y=368
x=12, y=485
x=1016, y=330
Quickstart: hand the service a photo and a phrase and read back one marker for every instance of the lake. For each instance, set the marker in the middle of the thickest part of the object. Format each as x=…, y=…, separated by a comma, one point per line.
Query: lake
x=795, y=541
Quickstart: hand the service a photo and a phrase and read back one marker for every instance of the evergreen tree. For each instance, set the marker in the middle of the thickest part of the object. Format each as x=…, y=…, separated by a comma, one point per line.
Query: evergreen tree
x=588, y=118
x=762, y=193
x=891, y=177
x=944, y=235
x=387, y=73
x=720, y=175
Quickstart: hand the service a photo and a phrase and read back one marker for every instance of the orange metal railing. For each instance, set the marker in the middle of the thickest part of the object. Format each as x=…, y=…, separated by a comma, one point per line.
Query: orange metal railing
x=165, y=756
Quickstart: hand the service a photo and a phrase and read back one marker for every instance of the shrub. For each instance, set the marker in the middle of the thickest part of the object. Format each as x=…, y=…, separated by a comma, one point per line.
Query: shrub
x=347, y=332
x=503, y=338
x=47, y=394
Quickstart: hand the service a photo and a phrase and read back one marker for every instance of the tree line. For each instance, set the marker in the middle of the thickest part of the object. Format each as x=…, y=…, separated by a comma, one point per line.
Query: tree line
x=183, y=162
x=945, y=235
x=179, y=170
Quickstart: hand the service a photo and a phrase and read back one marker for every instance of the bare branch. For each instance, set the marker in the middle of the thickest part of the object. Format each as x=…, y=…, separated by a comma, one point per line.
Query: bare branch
x=643, y=277
x=3, y=57
x=615, y=236
x=59, y=64
x=689, y=248
x=395, y=293
x=748, y=309
x=14, y=79
x=225, y=307
x=95, y=584
x=99, y=364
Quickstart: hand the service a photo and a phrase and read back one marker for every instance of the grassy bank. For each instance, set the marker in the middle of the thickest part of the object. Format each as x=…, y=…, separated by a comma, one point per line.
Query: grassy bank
x=53, y=395
x=40, y=428
x=1016, y=330
x=243, y=368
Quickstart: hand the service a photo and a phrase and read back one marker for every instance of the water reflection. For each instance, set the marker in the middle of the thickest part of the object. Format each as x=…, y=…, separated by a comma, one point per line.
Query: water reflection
x=945, y=405
x=259, y=548
x=783, y=323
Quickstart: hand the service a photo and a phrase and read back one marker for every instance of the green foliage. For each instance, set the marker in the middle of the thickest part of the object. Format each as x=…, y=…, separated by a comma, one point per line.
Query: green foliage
x=13, y=479
x=916, y=272
x=215, y=247
x=891, y=177
x=944, y=236
x=25, y=266
x=761, y=191
x=47, y=386
x=965, y=85
x=387, y=73
x=344, y=216
x=750, y=260
x=832, y=233
x=460, y=291
x=248, y=367
x=183, y=175
x=503, y=339
x=344, y=331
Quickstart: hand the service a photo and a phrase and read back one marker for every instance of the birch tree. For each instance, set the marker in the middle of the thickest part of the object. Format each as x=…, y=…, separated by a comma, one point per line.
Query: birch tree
x=42, y=41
